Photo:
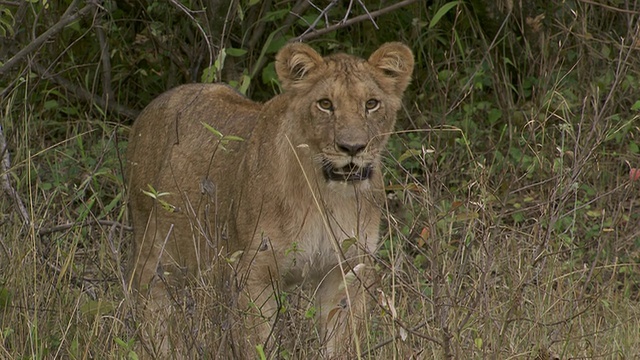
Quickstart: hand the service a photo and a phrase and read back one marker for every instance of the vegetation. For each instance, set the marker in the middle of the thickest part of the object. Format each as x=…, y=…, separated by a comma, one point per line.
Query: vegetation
x=513, y=182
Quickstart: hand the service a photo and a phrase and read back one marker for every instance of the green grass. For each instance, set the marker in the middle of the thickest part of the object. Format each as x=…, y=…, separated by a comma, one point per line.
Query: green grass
x=511, y=228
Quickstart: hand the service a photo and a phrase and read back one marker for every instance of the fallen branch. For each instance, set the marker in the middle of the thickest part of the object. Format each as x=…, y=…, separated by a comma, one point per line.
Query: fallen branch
x=354, y=20
x=63, y=227
x=5, y=166
x=86, y=95
x=66, y=19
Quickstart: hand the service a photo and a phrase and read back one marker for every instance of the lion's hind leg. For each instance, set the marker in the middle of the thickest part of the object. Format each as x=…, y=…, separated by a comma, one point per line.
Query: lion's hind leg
x=158, y=284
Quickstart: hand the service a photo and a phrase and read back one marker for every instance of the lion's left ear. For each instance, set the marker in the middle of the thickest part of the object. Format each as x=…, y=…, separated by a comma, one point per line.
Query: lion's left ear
x=295, y=62
x=396, y=61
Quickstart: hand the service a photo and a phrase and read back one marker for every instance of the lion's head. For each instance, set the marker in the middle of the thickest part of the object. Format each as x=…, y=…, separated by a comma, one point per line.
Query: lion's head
x=345, y=107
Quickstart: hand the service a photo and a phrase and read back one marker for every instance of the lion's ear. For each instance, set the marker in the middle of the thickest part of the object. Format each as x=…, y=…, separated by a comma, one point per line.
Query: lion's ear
x=296, y=61
x=396, y=61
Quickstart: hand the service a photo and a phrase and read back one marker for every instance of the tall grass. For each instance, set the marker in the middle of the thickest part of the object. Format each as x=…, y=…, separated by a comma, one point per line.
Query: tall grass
x=511, y=227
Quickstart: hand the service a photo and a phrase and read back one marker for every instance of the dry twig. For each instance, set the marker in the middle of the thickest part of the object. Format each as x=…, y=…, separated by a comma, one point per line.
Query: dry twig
x=355, y=20
x=84, y=94
x=5, y=166
x=66, y=19
x=296, y=12
x=63, y=227
x=105, y=59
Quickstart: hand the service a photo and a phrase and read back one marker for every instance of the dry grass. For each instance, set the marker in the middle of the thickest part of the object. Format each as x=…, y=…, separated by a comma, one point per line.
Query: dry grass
x=512, y=224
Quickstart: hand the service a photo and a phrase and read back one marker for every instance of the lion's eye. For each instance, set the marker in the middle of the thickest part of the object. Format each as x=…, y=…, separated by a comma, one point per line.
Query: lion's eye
x=325, y=105
x=372, y=104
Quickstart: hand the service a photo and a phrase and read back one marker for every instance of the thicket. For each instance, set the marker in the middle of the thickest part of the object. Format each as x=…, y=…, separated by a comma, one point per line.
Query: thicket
x=512, y=181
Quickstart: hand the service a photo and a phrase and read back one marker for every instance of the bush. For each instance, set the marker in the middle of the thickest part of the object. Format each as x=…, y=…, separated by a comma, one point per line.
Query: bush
x=511, y=223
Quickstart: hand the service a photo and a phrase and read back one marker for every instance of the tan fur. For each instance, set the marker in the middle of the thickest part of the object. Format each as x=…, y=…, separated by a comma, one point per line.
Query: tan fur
x=266, y=198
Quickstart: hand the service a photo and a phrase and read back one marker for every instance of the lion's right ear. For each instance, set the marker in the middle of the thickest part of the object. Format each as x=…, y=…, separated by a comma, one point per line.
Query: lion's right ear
x=295, y=62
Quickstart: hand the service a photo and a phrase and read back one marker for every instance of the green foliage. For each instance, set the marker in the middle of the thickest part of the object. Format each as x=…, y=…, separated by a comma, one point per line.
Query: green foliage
x=223, y=140
x=6, y=22
x=510, y=217
x=260, y=352
x=442, y=11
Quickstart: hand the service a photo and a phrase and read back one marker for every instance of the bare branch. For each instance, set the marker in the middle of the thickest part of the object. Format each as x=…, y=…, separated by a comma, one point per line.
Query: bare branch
x=323, y=14
x=612, y=8
x=66, y=19
x=105, y=59
x=5, y=166
x=298, y=9
x=354, y=20
x=85, y=95
x=63, y=227
x=189, y=13
x=258, y=30
x=369, y=14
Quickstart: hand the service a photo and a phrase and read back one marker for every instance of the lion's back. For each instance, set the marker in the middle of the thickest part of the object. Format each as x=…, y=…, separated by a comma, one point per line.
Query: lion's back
x=176, y=139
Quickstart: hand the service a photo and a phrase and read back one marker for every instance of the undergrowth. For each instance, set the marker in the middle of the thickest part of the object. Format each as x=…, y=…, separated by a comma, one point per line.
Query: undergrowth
x=511, y=227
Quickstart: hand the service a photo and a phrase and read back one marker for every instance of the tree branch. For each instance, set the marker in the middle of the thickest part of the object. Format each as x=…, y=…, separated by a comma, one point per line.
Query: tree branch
x=66, y=19
x=296, y=12
x=354, y=20
x=85, y=95
x=258, y=30
x=63, y=227
x=105, y=59
x=5, y=166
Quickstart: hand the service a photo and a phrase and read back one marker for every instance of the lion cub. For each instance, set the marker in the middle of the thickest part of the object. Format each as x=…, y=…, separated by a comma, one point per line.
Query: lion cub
x=295, y=203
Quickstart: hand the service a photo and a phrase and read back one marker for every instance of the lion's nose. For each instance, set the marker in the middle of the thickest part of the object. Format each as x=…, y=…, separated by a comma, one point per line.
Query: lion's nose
x=351, y=149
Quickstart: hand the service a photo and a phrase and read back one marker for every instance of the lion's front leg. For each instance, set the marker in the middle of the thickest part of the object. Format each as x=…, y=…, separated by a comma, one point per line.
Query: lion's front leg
x=259, y=283
x=342, y=303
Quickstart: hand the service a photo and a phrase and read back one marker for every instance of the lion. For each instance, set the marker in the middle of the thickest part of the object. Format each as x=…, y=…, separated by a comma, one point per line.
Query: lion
x=289, y=192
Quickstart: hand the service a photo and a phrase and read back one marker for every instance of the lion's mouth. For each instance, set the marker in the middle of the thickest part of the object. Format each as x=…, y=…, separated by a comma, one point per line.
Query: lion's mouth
x=350, y=172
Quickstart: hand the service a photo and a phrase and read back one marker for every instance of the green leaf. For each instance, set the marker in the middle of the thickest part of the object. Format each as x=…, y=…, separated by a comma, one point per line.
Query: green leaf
x=208, y=75
x=153, y=193
x=636, y=106
x=276, y=15
x=269, y=75
x=112, y=204
x=50, y=104
x=410, y=153
x=235, y=257
x=236, y=52
x=213, y=130
x=121, y=343
x=347, y=243
x=5, y=298
x=166, y=206
x=265, y=47
x=494, y=115
x=96, y=308
x=310, y=313
x=275, y=45
x=232, y=138
x=444, y=75
x=260, y=351
x=244, y=86
x=442, y=12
